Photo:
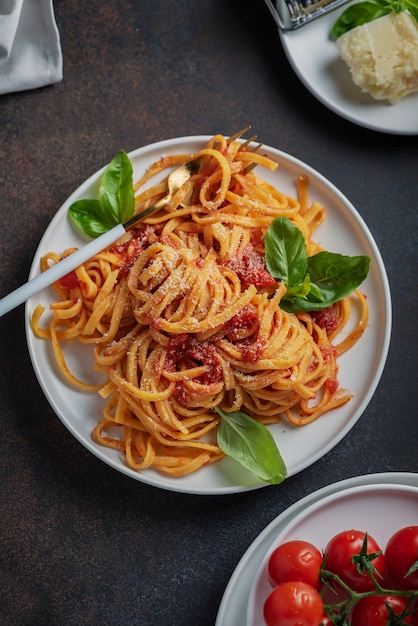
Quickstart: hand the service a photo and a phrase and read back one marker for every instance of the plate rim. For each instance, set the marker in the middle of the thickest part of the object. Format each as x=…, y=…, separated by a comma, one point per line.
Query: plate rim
x=263, y=541
x=383, y=283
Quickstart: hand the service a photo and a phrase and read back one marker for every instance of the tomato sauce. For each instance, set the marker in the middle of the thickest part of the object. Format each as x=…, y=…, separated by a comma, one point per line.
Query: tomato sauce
x=242, y=323
x=251, y=350
x=238, y=330
x=327, y=318
x=251, y=269
x=192, y=352
x=130, y=250
x=331, y=385
x=69, y=281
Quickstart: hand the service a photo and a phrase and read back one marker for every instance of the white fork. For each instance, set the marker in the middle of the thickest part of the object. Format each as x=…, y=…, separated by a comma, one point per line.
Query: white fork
x=175, y=180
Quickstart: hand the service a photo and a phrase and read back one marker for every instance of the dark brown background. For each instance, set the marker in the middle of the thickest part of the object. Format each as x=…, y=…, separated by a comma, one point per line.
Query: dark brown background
x=79, y=543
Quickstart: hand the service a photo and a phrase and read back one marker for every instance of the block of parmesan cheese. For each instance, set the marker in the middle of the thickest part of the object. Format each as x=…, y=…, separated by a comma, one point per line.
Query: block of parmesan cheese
x=383, y=56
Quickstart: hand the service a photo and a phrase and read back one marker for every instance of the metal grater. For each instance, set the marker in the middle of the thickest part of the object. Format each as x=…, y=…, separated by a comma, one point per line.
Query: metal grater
x=292, y=14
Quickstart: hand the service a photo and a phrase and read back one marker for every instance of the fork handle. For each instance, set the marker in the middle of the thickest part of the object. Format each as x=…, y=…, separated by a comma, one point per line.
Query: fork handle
x=57, y=271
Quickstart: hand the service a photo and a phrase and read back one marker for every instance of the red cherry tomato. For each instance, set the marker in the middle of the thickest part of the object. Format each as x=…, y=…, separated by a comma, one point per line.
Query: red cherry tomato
x=400, y=554
x=340, y=555
x=293, y=604
x=373, y=611
x=295, y=560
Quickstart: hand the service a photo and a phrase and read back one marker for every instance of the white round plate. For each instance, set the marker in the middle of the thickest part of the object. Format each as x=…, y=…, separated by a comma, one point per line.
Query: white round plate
x=233, y=607
x=360, y=369
x=380, y=510
x=315, y=59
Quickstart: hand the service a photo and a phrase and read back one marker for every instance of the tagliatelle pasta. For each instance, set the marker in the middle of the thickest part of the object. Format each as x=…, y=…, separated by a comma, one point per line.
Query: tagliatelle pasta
x=183, y=316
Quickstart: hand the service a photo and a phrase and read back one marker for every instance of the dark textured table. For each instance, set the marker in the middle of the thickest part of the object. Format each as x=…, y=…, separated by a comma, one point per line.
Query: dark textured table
x=79, y=542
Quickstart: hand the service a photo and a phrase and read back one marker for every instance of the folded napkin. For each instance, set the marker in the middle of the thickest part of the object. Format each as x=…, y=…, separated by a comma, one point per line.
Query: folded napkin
x=30, y=50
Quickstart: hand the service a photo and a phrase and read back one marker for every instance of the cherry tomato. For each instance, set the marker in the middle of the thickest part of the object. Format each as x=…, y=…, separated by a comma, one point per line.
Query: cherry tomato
x=293, y=604
x=400, y=554
x=341, y=553
x=295, y=560
x=373, y=611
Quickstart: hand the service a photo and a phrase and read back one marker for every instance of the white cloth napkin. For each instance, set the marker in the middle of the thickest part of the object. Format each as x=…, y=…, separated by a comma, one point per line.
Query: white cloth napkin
x=30, y=49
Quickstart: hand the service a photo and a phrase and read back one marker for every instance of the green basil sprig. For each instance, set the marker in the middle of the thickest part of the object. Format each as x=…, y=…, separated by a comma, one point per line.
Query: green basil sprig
x=116, y=203
x=369, y=10
x=250, y=443
x=314, y=282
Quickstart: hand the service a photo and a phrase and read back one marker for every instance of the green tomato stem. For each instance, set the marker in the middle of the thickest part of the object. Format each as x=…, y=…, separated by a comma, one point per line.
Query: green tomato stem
x=345, y=606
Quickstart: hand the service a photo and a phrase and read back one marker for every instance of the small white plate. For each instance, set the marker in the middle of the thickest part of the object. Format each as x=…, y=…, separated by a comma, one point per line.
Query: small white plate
x=380, y=510
x=361, y=367
x=385, y=490
x=315, y=59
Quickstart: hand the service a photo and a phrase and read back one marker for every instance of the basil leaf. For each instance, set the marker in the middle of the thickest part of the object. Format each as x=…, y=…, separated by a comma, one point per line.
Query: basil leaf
x=363, y=12
x=334, y=276
x=315, y=293
x=90, y=218
x=313, y=282
x=116, y=203
x=302, y=289
x=251, y=444
x=412, y=7
x=358, y=14
x=285, y=252
x=116, y=189
x=337, y=275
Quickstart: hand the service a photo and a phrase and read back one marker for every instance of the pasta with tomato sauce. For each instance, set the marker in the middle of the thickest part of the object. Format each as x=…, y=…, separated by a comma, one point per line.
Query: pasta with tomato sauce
x=183, y=316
